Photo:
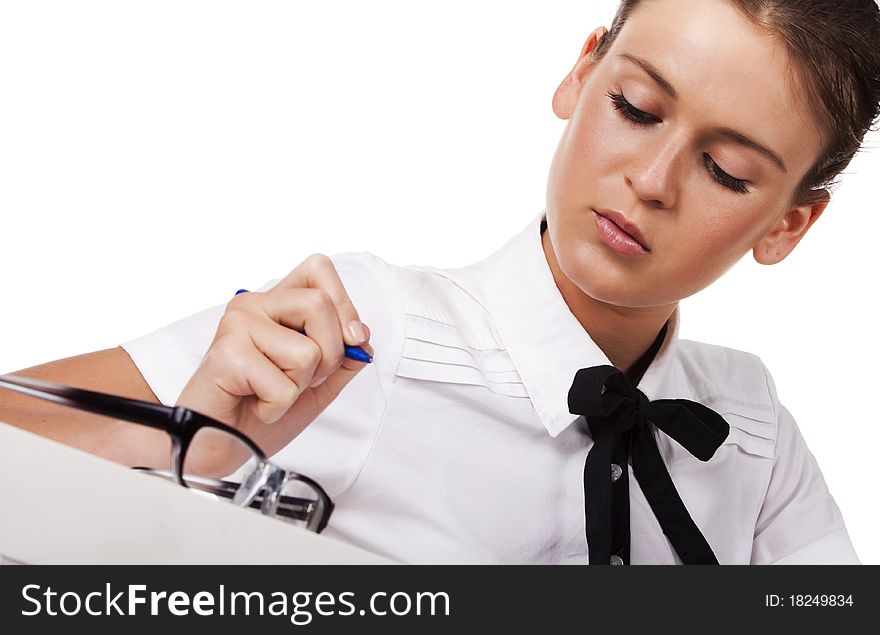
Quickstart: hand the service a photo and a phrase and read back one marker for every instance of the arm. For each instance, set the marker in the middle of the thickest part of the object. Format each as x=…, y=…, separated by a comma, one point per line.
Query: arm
x=261, y=373
x=111, y=371
x=799, y=522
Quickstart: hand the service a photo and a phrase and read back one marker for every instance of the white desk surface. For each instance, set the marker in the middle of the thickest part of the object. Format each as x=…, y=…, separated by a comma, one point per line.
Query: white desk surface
x=59, y=505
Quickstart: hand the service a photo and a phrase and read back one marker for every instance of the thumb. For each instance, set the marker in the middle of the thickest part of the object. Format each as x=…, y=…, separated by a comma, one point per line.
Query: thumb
x=329, y=389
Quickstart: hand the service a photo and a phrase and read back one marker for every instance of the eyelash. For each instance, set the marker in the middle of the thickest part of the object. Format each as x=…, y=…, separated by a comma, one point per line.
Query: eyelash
x=641, y=118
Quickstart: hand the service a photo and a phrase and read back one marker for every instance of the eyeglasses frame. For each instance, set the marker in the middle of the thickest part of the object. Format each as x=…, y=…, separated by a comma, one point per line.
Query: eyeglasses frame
x=181, y=424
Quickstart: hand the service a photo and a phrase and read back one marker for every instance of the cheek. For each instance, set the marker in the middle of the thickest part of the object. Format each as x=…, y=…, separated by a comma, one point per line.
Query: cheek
x=730, y=229
x=601, y=141
x=711, y=241
x=588, y=153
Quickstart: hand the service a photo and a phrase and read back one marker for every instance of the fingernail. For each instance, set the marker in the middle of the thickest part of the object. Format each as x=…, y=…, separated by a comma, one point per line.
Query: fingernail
x=317, y=382
x=358, y=333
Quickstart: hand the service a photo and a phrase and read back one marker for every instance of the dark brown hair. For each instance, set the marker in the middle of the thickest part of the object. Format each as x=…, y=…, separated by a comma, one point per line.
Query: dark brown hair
x=835, y=46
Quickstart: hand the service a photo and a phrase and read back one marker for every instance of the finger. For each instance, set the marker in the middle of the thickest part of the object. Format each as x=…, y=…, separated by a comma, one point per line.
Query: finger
x=309, y=310
x=296, y=355
x=242, y=371
x=318, y=271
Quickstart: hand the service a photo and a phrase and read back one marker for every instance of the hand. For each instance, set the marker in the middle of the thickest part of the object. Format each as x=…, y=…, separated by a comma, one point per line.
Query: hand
x=259, y=370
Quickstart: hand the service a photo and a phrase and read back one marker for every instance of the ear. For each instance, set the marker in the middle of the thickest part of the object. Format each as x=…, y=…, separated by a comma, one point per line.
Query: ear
x=780, y=241
x=566, y=95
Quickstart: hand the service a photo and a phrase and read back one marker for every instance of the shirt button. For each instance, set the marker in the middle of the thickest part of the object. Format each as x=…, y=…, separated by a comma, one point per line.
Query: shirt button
x=616, y=560
x=616, y=472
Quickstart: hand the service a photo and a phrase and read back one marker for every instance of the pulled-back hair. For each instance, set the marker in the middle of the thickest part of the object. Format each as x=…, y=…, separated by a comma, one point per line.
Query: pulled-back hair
x=835, y=47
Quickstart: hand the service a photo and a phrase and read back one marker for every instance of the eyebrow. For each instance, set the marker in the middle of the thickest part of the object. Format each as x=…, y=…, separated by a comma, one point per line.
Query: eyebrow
x=734, y=135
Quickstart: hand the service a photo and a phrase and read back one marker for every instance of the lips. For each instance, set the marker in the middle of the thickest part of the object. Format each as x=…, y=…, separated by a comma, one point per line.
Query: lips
x=628, y=228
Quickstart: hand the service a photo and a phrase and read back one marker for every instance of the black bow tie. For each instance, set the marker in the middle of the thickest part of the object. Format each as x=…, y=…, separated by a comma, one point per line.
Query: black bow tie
x=619, y=416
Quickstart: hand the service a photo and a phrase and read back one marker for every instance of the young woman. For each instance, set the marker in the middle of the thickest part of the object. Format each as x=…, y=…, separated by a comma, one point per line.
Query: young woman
x=697, y=132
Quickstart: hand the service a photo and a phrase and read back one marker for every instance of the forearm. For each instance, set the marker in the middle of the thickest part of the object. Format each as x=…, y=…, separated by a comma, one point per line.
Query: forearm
x=118, y=441
x=110, y=371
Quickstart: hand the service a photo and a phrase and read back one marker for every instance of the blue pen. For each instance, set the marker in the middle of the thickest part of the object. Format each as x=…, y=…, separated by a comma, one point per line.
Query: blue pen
x=351, y=352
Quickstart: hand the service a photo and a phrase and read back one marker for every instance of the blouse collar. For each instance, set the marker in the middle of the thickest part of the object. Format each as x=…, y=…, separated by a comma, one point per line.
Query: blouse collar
x=545, y=341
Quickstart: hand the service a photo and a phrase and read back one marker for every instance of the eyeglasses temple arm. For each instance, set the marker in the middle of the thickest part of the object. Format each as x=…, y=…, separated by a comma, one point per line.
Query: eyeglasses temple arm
x=134, y=410
x=146, y=413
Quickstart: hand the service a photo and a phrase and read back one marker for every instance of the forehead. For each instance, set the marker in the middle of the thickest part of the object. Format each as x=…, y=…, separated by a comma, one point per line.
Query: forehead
x=727, y=72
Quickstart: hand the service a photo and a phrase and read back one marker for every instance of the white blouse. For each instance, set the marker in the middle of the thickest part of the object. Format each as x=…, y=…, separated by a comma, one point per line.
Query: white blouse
x=456, y=444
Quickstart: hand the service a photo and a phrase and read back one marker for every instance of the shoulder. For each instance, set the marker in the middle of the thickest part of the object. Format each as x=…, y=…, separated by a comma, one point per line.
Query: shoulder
x=797, y=521
x=428, y=323
x=363, y=267
x=443, y=331
x=444, y=296
x=728, y=371
x=449, y=297
x=737, y=385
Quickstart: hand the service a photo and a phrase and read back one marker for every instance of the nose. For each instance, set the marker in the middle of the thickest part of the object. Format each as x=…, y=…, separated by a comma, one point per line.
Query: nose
x=653, y=172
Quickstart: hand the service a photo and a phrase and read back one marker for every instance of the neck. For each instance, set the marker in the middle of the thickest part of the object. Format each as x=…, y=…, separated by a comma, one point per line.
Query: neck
x=624, y=334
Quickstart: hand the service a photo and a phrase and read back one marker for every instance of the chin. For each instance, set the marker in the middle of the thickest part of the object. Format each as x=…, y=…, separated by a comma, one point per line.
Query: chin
x=603, y=280
x=597, y=272
x=601, y=291
x=600, y=279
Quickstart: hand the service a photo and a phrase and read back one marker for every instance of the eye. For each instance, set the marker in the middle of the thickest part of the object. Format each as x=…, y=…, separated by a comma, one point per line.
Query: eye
x=633, y=114
x=642, y=118
x=722, y=177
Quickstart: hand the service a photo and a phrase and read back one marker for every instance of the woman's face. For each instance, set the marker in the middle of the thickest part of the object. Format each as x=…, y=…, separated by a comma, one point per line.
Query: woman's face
x=690, y=133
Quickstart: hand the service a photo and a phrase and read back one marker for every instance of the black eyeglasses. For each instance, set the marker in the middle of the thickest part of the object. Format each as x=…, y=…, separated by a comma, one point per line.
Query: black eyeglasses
x=207, y=456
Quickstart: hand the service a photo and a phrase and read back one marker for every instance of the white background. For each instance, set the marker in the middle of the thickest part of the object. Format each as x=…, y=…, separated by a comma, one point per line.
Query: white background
x=157, y=156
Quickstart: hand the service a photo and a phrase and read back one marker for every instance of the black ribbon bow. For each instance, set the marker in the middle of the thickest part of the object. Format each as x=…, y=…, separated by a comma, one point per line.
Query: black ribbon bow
x=619, y=417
